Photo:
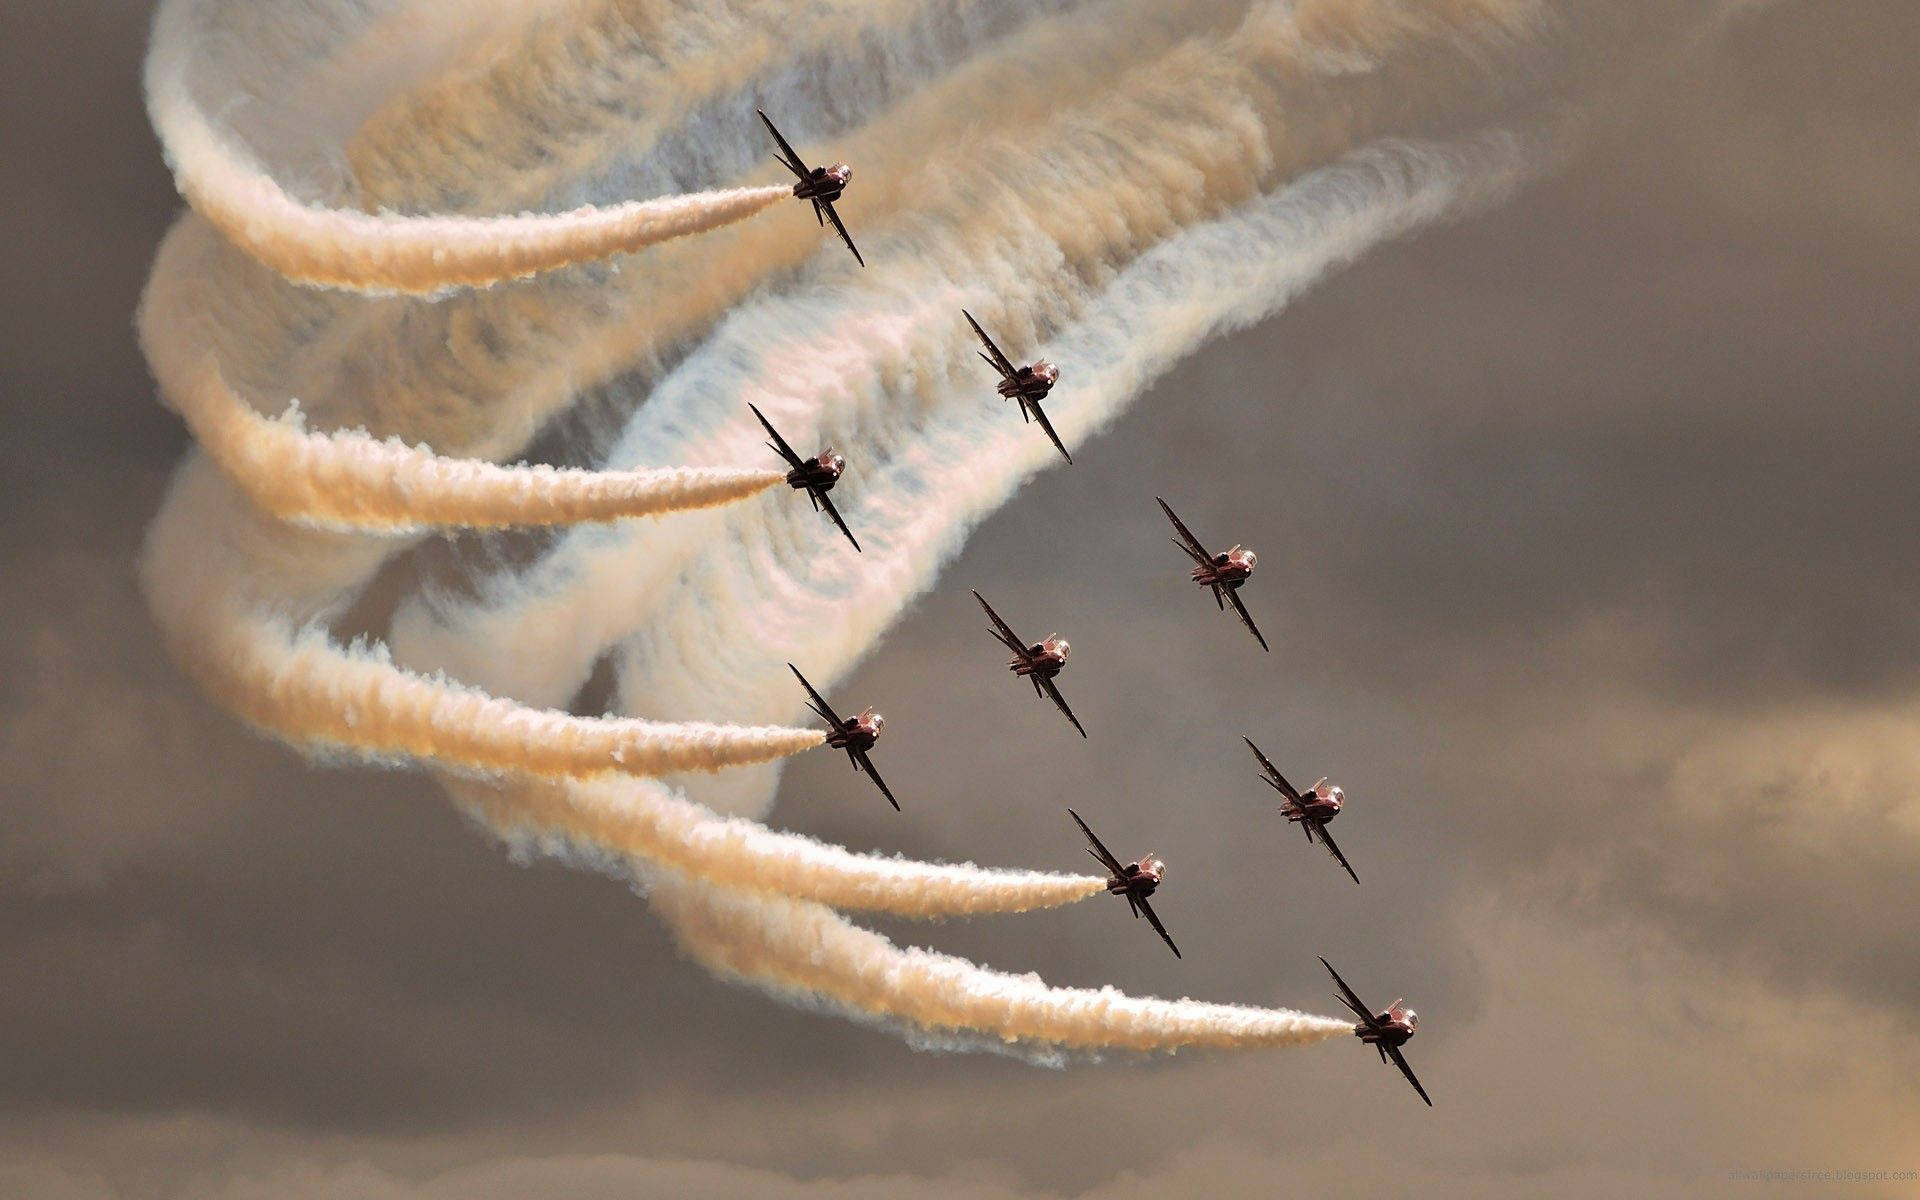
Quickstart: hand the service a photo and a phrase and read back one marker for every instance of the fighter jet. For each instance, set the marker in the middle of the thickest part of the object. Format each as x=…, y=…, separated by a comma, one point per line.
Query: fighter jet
x=822, y=185
x=815, y=476
x=1039, y=662
x=1029, y=384
x=1385, y=1031
x=856, y=736
x=1310, y=810
x=1223, y=572
x=1136, y=880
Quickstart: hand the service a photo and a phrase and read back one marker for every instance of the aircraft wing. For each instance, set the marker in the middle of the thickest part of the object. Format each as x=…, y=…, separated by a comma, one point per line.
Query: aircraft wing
x=1400, y=1061
x=1060, y=702
x=779, y=444
x=787, y=157
x=1327, y=837
x=1008, y=637
x=1246, y=618
x=1047, y=425
x=826, y=502
x=819, y=704
x=1186, y=541
x=1098, y=849
x=997, y=360
x=1275, y=778
x=1348, y=998
x=827, y=206
x=864, y=763
x=1154, y=920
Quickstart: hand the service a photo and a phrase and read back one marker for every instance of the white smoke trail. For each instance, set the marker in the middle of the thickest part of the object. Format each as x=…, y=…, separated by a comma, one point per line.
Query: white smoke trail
x=382, y=252
x=614, y=83
x=351, y=481
x=256, y=645
x=642, y=819
x=803, y=951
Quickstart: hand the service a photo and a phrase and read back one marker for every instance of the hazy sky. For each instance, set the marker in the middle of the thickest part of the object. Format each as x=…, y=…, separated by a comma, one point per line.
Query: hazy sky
x=1586, y=555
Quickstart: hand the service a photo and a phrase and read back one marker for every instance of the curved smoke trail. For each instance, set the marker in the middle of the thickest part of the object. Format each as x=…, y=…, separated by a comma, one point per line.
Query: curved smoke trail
x=646, y=822
x=381, y=251
x=264, y=653
x=795, y=948
x=348, y=480
x=1175, y=173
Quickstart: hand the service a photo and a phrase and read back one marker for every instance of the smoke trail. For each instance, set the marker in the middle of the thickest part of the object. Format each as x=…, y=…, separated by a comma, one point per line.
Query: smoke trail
x=644, y=820
x=601, y=94
x=803, y=952
x=287, y=676
x=380, y=252
x=349, y=480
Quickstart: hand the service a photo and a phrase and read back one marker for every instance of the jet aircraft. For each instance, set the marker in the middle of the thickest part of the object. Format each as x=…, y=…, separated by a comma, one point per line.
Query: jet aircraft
x=1135, y=880
x=1386, y=1031
x=1029, y=384
x=815, y=476
x=855, y=735
x=1040, y=662
x=821, y=185
x=1224, y=571
x=1311, y=810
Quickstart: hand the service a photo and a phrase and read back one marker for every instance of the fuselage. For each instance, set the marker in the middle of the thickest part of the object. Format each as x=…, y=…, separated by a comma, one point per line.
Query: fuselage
x=1032, y=381
x=1229, y=569
x=1393, y=1027
x=1140, y=880
x=1044, y=659
x=817, y=474
x=860, y=733
x=1320, y=804
x=824, y=183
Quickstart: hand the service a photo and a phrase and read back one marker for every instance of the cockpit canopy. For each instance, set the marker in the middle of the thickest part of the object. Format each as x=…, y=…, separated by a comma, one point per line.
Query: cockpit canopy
x=1046, y=372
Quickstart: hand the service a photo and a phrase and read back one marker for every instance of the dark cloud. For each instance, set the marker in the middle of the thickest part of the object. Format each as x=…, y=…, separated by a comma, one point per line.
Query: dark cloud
x=1584, y=559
